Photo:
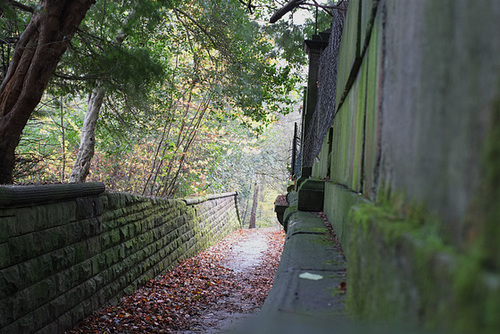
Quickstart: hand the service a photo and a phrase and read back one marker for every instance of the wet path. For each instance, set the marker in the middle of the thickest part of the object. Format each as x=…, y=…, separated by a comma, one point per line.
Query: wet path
x=244, y=259
x=247, y=253
x=209, y=293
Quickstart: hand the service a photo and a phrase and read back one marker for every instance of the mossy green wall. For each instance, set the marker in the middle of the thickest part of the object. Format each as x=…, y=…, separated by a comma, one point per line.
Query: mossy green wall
x=321, y=169
x=402, y=272
x=61, y=261
x=414, y=172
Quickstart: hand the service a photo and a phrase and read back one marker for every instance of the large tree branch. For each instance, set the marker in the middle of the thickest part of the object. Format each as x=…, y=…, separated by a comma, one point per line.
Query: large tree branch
x=290, y=5
x=35, y=59
x=22, y=6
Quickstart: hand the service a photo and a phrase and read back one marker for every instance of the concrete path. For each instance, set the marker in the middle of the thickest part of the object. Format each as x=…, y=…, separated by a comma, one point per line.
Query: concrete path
x=308, y=294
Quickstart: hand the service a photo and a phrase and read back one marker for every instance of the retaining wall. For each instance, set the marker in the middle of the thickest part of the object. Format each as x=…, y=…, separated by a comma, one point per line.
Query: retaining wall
x=413, y=170
x=64, y=255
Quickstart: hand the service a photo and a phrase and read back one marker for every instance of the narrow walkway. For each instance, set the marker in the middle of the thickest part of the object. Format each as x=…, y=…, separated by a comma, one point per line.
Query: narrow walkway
x=211, y=293
x=310, y=284
x=253, y=258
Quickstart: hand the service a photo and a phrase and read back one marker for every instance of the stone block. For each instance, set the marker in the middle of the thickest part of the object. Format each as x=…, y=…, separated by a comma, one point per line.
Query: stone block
x=372, y=149
x=27, y=217
x=350, y=51
x=41, y=292
x=84, y=208
x=8, y=227
x=48, y=239
x=158, y=242
x=302, y=222
x=26, y=324
x=23, y=303
x=65, y=321
x=30, y=222
x=4, y=255
x=338, y=202
x=368, y=13
x=91, y=227
x=49, y=329
x=348, y=137
x=63, y=258
x=92, y=247
x=310, y=195
x=57, y=214
x=99, y=263
x=43, y=265
x=6, y=311
x=11, y=328
x=80, y=252
x=310, y=269
x=28, y=274
x=84, y=269
x=41, y=317
x=115, y=236
x=21, y=248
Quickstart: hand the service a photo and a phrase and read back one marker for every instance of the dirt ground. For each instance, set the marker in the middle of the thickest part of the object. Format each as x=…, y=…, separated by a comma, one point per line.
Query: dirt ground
x=211, y=293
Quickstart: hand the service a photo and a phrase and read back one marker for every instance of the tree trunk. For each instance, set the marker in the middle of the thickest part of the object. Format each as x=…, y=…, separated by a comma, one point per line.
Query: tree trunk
x=253, y=215
x=35, y=59
x=63, y=141
x=81, y=167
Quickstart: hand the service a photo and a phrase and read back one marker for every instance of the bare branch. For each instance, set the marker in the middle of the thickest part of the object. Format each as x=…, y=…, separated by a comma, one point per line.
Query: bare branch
x=75, y=77
x=214, y=43
x=249, y=5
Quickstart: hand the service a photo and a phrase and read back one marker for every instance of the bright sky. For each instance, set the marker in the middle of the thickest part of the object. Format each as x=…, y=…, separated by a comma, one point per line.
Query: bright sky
x=301, y=15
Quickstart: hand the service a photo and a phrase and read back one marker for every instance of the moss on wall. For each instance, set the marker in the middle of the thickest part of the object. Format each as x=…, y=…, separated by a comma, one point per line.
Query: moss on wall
x=400, y=271
x=54, y=272
x=420, y=91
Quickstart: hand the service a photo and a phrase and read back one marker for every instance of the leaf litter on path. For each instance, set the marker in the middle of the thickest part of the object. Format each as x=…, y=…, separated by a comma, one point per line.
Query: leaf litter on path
x=208, y=293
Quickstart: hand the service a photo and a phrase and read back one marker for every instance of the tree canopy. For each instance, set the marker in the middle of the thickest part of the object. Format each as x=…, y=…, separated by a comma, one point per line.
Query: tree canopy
x=187, y=87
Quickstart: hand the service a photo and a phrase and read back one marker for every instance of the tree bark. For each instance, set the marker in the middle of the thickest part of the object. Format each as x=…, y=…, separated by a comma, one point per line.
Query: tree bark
x=81, y=168
x=85, y=154
x=253, y=215
x=35, y=58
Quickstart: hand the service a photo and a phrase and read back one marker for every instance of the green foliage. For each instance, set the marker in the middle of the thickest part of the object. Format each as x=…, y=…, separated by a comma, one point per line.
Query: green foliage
x=181, y=78
x=292, y=29
x=12, y=24
x=234, y=54
x=48, y=142
x=109, y=48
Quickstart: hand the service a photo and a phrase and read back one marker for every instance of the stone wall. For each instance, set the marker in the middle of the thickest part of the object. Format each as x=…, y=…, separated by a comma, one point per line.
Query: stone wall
x=62, y=259
x=411, y=167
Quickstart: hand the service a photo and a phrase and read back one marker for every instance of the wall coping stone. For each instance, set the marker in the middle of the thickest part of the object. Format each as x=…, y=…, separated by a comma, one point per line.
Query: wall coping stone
x=26, y=195
x=201, y=199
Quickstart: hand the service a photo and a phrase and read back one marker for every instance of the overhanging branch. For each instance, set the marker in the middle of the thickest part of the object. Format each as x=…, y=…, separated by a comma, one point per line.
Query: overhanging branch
x=22, y=6
x=292, y=4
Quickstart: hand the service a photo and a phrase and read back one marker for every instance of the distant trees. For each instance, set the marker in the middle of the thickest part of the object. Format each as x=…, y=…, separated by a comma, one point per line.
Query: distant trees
x=150, y=98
